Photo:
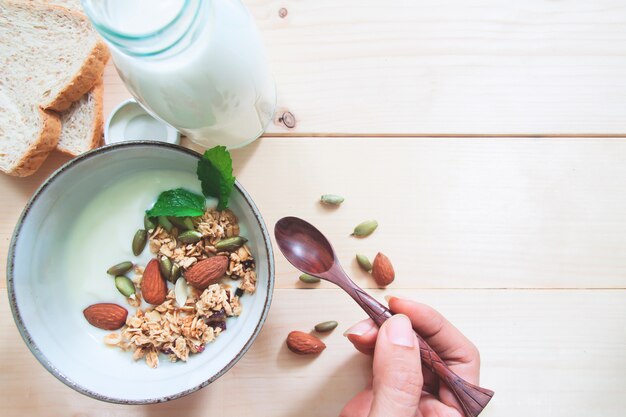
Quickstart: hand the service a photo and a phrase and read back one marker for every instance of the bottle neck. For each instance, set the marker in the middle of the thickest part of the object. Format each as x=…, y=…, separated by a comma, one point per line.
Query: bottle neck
x=146, y=28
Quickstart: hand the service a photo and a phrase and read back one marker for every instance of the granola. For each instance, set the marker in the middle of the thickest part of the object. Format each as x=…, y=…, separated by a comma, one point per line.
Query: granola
x=179, y=331
x=214, y=226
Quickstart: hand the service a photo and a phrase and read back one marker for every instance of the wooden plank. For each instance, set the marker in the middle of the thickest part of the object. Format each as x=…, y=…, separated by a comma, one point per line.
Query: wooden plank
x=443, y=67
x=545, y=353
x=456, y=213
x=488, y=213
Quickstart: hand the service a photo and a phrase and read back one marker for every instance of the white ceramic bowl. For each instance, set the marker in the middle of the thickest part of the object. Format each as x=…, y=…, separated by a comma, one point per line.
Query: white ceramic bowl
x=51, y=321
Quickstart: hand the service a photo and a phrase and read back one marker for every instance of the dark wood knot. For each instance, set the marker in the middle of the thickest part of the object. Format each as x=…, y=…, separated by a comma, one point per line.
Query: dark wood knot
x=288, y=119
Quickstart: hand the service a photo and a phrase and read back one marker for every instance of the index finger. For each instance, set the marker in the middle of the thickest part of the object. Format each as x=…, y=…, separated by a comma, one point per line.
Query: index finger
x=363, y=336
x=450, y=344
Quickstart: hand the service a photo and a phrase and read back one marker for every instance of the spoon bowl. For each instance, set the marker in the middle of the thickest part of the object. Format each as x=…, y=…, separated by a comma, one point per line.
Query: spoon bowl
x=304, y=246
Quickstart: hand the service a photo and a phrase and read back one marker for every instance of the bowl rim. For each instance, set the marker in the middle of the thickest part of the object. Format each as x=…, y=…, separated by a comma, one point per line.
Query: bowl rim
x=17, y=317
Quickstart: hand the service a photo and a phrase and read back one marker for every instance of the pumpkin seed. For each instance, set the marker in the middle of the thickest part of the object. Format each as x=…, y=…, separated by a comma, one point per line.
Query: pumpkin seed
x=165, y=223
x=120, y=269
x=181, y=291
x=190, y=236
x=365, y=229
x=364, y=262
x=139, y=241
x=179, y=222
x=175, y=273
x=331, y=199
x=148, y=223
x=326, y=326
x=309, y=279
x=165, y=265
x=125, y=286
x=189, y=223
x=230, y=244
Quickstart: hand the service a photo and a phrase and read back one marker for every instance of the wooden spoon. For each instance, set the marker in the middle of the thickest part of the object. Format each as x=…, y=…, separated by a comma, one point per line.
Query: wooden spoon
x=307, y=249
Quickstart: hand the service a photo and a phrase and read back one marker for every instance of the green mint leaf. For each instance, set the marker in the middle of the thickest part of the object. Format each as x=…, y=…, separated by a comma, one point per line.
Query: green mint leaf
x=215, y=172
x=178, y=203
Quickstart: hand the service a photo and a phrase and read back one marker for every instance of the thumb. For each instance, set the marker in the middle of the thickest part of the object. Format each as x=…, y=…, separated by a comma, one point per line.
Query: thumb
x=398, y=380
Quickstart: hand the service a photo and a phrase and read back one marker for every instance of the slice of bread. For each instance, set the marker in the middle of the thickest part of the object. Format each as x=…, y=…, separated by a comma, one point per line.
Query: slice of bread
x=70, y=4
x=27, y=134
x=50, y=51
x=49, y=57
x=82, y=124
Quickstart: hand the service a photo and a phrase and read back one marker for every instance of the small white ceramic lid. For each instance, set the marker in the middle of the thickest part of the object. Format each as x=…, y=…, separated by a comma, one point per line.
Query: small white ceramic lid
x=129, y=121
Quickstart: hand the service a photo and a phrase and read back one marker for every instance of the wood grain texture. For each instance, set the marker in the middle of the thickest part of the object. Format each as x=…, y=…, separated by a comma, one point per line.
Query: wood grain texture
x=455, y=213
x=490, y=213
x=546, y=353
x=443, y=66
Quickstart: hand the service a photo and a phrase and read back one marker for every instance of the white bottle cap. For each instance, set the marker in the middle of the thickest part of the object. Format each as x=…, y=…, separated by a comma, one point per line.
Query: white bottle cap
x=129, y=121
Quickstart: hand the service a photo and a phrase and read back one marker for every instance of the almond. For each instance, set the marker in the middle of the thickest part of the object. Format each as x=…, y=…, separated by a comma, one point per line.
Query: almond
x=304, y=343
x=153, y=286
x=106, y=316
x=382, y=270
x=207, y=272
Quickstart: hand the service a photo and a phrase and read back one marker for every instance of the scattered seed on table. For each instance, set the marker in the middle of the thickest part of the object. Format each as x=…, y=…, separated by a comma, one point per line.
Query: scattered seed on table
x=326, y=326
x=365, y=228
x=309, y=279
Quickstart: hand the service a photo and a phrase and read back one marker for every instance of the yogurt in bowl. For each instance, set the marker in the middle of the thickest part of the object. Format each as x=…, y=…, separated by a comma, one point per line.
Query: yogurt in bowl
x=79, y=223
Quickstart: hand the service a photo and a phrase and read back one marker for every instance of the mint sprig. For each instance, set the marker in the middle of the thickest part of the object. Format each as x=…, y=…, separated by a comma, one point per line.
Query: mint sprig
x=215, y=172
x=178, y=203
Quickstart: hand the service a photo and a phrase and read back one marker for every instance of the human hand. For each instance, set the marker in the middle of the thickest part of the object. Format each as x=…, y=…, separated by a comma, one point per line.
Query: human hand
x=401, y=387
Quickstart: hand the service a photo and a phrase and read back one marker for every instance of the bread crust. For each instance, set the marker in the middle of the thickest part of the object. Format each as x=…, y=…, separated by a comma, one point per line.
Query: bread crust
x=37, y=153
x=83, y=81
x=90, y=72
x=98, y=121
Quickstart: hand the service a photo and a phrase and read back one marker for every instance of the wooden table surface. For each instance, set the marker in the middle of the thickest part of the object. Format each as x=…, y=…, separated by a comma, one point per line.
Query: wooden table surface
x=489, y=140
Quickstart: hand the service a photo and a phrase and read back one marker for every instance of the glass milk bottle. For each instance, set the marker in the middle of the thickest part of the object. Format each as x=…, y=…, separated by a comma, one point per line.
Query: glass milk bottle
x=198, y=65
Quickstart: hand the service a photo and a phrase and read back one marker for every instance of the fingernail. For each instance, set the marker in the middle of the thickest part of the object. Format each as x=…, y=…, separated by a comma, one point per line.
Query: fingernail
x=399, y=331
x=389, y=297
x=361, y=328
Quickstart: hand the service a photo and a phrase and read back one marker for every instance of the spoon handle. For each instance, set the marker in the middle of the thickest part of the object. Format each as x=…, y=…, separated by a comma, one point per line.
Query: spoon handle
x=472, y=398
